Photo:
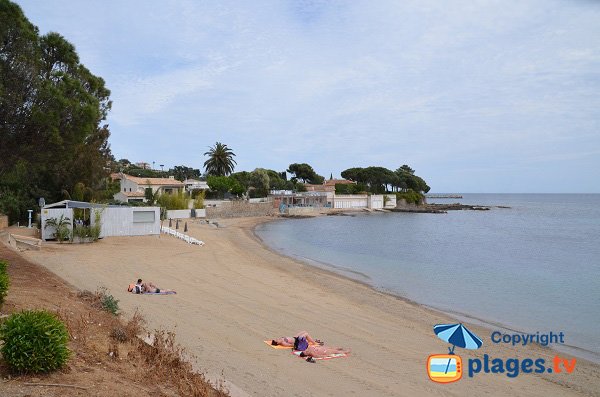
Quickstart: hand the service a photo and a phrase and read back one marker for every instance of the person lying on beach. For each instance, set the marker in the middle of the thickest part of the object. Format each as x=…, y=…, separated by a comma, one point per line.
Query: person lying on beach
x=290, y=341
x=145, y=288
x=313, y=352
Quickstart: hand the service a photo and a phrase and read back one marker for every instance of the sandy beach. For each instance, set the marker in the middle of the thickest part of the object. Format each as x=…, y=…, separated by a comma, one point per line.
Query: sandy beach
x=233, y=293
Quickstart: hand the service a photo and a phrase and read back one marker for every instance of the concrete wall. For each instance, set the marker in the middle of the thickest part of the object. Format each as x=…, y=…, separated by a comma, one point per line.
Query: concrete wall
x=183, y=214
x=375, y=201
x=300, y=211
x=349, y=201
x=391, y=201
x=235, y=209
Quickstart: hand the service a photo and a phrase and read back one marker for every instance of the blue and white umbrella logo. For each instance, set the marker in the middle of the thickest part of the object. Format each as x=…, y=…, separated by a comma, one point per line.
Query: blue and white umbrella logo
x=457, y=335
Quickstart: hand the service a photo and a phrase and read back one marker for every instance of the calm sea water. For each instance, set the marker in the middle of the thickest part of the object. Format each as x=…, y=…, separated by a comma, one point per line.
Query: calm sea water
x=533, y=267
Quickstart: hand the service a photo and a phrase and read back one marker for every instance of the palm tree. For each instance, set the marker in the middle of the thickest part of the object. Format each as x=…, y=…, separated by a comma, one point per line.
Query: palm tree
x=220, y=160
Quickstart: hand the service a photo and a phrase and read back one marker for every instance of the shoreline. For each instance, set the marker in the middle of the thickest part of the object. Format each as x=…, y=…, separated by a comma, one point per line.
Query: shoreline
x=490, y=325
x=235, y=292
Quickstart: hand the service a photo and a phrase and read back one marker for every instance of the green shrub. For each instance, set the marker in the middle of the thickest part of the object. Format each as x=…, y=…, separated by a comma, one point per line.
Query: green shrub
x=4, y=282
x=410, y=196
x=175, y=201
x=108, y=302
x=62, y=231
x=34, y=341
x=199, y=201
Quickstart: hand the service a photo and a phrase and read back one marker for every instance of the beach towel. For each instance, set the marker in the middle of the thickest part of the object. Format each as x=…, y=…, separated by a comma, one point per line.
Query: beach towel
x=336, y=355
x=268, y=342
x=160, y=293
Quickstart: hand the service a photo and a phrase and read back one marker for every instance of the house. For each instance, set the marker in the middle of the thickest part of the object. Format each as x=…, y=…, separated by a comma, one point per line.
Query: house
x=134, y=188
x=195, y=184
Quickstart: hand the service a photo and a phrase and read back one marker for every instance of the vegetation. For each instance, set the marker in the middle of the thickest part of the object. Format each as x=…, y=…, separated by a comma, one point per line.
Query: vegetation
x=220, y=160
x=410, y=196
x=34, y=341
x=199, y=200
x=175, y=201
x=4, y=281
x=379, y=180
x=91, y=232
x=180, y=172
x=61, y=225
x=51, y=113
x=108, y=302
x=306, y=173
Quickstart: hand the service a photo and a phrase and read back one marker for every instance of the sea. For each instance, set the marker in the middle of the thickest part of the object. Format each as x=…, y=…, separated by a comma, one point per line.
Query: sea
x=532, y=267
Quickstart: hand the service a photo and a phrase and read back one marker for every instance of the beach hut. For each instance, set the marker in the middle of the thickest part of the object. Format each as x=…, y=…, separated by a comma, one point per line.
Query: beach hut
x=114, y=220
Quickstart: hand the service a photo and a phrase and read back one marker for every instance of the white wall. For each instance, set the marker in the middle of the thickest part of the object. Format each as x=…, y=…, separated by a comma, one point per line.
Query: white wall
x=119, y=222
x=175, y=214
x=350, y=201
x=391, y=203
x=376, y=201
x=48, y=232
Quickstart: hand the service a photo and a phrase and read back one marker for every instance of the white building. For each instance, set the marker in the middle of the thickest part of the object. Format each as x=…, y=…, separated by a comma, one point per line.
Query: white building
x=134, y=188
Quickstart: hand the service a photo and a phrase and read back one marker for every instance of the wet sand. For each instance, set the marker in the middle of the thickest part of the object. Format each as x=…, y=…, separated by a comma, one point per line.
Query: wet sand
x=233, y=293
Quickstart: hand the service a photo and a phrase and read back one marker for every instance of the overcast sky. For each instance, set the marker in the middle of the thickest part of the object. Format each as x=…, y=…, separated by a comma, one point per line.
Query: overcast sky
x=477, y=96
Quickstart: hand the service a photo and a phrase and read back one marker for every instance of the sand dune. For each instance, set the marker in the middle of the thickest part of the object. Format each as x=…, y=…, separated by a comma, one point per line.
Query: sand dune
x=233, y=293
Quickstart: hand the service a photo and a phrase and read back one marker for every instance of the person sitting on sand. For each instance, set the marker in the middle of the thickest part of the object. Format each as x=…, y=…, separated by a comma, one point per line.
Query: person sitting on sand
x=313, y=352
x=288, y=341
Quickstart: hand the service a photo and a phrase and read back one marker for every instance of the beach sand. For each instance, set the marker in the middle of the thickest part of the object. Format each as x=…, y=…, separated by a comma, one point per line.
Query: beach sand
x=233, y=293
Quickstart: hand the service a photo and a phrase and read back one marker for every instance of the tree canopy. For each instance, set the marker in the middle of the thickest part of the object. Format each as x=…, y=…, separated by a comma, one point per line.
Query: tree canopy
x=306, y=173
x=220, y=160
x=380, y=179
x=51, y=113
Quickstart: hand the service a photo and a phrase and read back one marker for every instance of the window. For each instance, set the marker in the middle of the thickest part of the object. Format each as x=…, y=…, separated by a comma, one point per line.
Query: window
x=124, y=189
x=143, y=216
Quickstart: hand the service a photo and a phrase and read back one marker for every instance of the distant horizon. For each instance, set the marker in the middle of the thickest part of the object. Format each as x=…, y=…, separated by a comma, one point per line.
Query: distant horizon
x=480, y=96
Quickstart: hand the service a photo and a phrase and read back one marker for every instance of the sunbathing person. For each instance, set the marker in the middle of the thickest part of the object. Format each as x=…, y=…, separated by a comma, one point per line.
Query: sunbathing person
x=313, y=352
x=289, y=341
x=146, y=288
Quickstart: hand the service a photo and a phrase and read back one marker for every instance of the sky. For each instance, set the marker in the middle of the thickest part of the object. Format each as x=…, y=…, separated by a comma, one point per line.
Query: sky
x=477, y=96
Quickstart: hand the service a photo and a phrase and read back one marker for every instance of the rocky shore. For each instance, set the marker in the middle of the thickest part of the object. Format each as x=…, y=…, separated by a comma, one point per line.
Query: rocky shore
x=440, y=208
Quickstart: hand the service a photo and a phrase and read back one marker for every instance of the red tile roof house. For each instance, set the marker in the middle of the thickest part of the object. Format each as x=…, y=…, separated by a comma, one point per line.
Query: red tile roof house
x=134, y=188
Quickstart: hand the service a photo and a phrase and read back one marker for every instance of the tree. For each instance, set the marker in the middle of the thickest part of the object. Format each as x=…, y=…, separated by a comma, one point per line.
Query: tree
x=260, y=181
x=220, y=184
x=306, y=173
x=407, y=180
x=181, y=172
x=51, y=110
x=220, y=160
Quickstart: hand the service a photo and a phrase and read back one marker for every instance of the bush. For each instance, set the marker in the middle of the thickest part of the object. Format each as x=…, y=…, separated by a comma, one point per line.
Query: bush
x=108, y=302
x=410, y=196
x=34, y=341
x=199, y=201
x=175, y=201
x=4, y=282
